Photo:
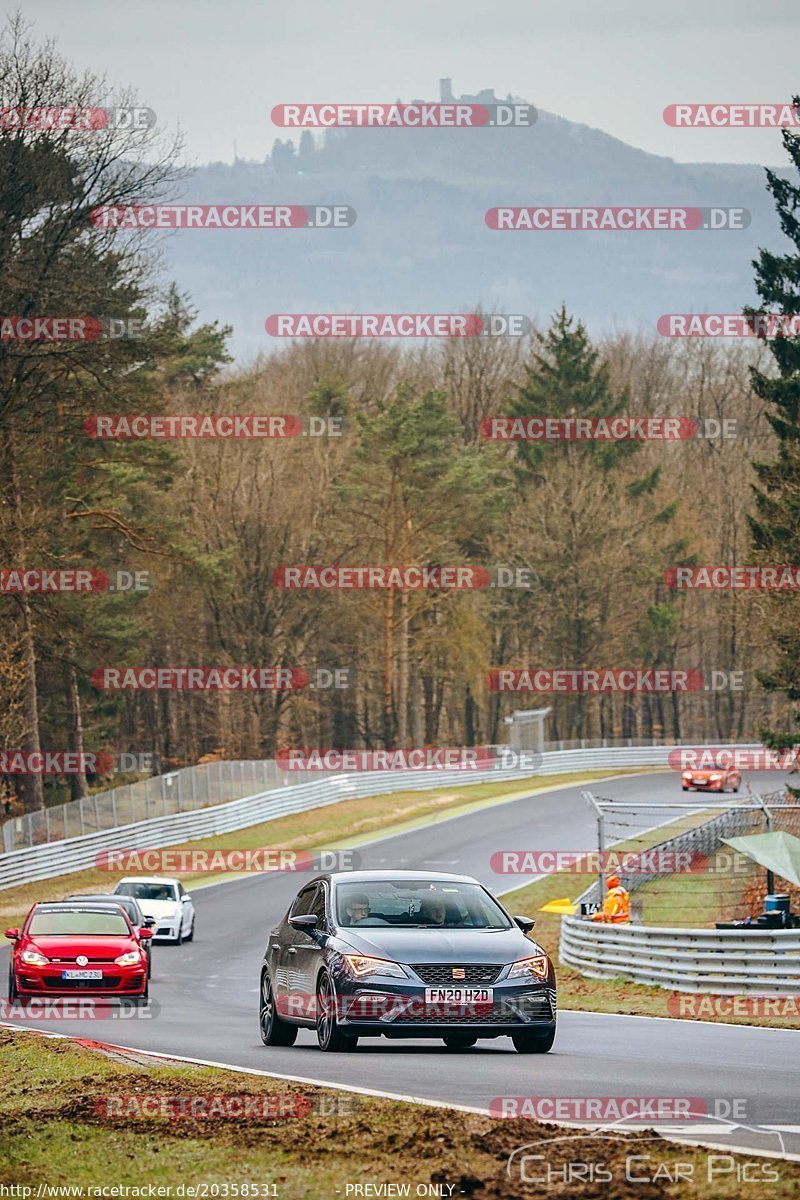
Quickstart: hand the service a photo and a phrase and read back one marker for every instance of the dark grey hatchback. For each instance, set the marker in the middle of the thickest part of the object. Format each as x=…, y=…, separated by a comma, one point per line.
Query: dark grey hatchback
x=405, y=954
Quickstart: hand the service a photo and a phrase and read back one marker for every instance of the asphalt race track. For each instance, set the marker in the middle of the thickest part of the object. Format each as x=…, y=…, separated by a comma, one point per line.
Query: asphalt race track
x=206, y=996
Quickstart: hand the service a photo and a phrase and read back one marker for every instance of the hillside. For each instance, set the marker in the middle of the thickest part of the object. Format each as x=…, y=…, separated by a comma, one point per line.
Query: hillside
x=420, y=242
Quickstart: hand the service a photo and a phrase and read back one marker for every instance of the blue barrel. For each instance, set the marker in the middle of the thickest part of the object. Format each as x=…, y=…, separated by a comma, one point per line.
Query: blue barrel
x=778, y=902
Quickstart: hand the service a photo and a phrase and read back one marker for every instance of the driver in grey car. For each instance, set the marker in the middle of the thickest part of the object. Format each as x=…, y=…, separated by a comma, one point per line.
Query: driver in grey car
x=357, y=908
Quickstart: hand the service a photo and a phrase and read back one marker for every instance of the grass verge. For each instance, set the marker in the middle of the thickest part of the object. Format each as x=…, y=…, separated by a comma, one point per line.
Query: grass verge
x=715, y=894
x=55, y=1129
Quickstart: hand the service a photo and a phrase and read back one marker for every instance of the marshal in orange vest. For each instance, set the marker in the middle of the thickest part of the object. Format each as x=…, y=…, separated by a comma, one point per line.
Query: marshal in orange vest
x=616, y=908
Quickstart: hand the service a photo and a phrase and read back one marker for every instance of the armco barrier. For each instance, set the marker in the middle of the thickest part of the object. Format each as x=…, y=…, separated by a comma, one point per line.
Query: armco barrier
x=718, y=961
x=75, y=853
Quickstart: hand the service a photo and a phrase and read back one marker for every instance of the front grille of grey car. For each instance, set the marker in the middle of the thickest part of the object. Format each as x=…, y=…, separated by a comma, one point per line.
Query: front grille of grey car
x=494, y=1014
x=532, y=1006
x=442, y=973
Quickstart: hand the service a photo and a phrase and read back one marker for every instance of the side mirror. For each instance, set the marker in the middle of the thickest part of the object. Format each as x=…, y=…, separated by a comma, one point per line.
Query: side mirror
x=13, y=934
x=185, y=897
x=150, y=922
x=306, y=924
x=526, y=924
x=144, y=933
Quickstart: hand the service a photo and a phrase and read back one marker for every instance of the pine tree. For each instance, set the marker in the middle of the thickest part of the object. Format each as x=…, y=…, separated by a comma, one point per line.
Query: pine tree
x=411, y=490
x=775, y=525
x=566, y=378
x=597, y=527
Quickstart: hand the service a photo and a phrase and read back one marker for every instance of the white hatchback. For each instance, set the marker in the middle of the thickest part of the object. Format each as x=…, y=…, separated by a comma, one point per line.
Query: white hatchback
x=166, y=902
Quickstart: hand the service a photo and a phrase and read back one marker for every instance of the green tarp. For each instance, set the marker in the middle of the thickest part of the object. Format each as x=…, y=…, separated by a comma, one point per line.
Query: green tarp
x=778, y=852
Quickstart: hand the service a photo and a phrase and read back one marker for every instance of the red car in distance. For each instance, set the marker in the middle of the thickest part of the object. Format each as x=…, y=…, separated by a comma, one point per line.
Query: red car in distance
x=711, y=779
x=65, y=951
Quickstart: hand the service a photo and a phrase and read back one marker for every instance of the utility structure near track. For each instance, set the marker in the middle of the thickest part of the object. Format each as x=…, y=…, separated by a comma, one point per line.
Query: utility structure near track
x=674, y=950
x=526, y=729
x=693, y=834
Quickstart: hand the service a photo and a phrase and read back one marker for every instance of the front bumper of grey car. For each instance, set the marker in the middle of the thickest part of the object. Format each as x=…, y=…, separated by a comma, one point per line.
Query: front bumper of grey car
x=422, y=1004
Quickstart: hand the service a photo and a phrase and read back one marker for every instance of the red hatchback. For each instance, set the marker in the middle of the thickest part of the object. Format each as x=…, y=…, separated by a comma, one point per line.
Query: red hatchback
x=64, y=951
x=711, y=779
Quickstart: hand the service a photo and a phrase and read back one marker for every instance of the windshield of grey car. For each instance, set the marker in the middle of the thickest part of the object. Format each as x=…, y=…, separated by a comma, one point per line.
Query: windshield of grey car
x=419, y=904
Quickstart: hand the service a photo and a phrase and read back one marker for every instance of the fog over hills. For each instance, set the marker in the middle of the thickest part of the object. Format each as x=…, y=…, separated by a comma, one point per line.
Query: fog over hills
x=420, y=242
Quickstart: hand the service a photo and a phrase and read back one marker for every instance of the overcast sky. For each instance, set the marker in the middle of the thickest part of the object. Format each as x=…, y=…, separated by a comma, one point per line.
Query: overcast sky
x=216, y=67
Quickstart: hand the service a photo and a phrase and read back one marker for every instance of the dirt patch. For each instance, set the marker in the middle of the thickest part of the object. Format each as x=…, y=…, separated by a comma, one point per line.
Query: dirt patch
x=53, y=1128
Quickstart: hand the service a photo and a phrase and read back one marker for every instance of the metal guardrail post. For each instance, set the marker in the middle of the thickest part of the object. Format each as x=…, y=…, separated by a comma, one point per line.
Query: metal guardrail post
x=601, y=841
x=768, y=818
